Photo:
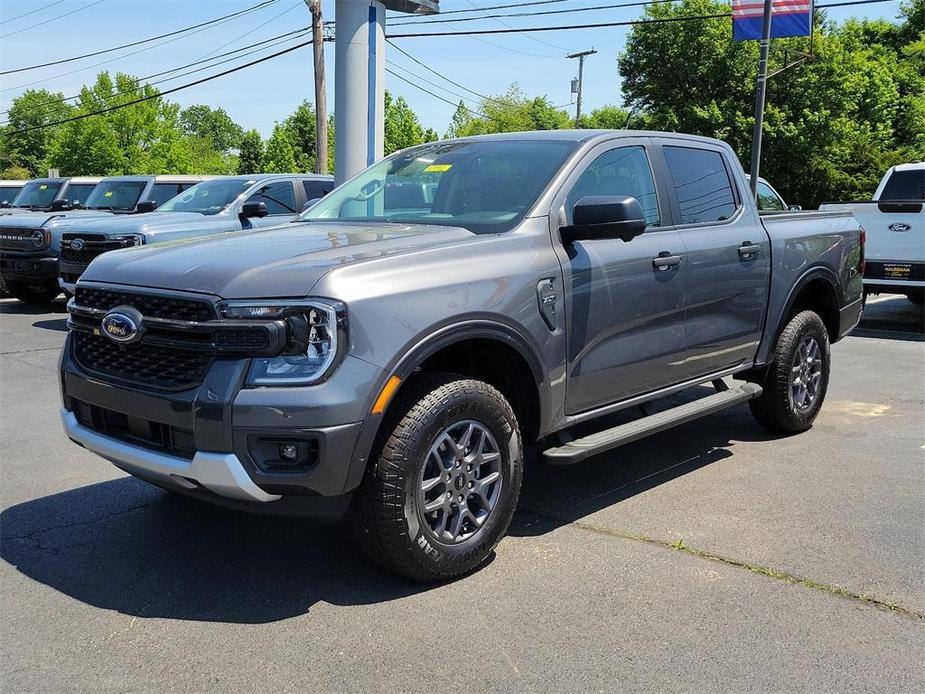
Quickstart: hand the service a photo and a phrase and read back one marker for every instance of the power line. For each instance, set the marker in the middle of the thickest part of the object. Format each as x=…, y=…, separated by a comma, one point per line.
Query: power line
x=163, y=93
x=632, y=22
x=499, y=7
x=535, y=39
x=638, y=3
x=139, y=42
x=436, y=96
x=252, y=30
x=37, y=9
x=51, y=19
x=261, y=45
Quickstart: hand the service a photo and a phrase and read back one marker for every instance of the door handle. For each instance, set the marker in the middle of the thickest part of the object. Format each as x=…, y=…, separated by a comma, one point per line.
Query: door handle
x=665, y=261
x=748, y=251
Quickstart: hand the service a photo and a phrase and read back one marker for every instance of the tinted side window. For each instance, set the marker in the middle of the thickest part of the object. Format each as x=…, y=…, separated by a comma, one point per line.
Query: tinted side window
x=79, y=192
x=905, y=185
x=702, y=183
x=279, y=197
x=623, y=171
x=317, y=189
x=767, y=200
x=163, y=192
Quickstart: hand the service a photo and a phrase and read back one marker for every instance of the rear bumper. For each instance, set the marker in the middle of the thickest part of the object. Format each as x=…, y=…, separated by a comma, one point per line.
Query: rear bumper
x=26, y=267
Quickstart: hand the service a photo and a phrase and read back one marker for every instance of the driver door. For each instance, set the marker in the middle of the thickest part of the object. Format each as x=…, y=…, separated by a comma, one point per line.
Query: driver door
x=625, y=314
x=281, y=202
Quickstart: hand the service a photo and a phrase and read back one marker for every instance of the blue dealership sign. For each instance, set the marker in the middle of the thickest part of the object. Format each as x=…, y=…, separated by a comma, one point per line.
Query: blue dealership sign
x=788, y=18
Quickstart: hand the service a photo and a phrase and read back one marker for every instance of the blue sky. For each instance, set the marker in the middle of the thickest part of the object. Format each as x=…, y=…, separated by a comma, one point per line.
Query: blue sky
x=265, y=93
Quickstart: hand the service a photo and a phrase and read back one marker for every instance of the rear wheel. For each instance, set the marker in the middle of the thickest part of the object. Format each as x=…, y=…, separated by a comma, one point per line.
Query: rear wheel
x=441, y=493
x=34, y=292
x=796, y=382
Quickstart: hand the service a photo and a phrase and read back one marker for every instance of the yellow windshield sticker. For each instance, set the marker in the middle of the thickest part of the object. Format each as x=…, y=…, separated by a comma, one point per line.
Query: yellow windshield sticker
x=438, y=168
x=107, y=194
x=43, y=186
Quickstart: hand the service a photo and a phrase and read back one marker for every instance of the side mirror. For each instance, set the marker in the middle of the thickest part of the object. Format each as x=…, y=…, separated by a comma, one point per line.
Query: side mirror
x=311, y=203
x=795, y=208
x=60, y=205
x=5, y=205
x=604, y=217
x=146, y=206
x=254, y=209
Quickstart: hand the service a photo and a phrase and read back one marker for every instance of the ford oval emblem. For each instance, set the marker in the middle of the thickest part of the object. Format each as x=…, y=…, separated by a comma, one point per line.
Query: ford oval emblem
x=77, y=244
x=122, y=325
x=899, y=226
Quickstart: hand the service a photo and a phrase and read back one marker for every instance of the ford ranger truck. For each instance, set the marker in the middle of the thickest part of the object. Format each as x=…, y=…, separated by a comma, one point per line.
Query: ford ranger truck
x=894, y=222
x=217, y=206
x=390, y=355
x=30, y=242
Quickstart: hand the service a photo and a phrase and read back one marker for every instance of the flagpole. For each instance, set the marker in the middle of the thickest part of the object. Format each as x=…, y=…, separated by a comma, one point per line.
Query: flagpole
x=760, y=92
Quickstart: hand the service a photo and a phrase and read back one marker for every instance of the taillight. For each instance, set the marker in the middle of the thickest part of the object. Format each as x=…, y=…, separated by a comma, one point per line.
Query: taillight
x=861, y=260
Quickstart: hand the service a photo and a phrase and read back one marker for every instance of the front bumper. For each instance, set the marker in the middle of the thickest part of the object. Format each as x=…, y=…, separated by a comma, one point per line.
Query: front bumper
x=208, y=441
x=28, y=267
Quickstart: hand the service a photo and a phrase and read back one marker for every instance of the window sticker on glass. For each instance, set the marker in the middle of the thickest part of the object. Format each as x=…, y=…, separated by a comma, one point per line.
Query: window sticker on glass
x=107, y=194
x=438, y=168
x=43, y=186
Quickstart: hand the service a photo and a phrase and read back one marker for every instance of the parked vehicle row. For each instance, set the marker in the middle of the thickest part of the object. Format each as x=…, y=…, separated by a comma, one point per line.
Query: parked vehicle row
x=118, y=214
x=393, y=351
x=895, y=224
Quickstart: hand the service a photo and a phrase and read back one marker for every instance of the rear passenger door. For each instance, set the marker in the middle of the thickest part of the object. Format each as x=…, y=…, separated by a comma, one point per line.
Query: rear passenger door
x=281, y=201
x=727, y=256
x=624, y=312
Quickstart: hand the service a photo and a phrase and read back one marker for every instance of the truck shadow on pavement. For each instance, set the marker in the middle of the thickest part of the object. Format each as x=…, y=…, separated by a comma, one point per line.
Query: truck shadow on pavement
x=16, y=307
x=126, y=546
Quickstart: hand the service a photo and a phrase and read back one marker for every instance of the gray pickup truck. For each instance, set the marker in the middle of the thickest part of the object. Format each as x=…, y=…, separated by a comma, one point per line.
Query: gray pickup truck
x=392, y=353
x=216, y=206
x=30, y=240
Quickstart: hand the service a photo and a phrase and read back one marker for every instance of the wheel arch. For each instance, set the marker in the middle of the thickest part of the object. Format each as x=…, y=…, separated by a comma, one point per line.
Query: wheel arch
x=818, y=290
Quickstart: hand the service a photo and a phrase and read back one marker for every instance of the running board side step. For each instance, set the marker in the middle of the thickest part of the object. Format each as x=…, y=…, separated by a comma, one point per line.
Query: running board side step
x=577, y=450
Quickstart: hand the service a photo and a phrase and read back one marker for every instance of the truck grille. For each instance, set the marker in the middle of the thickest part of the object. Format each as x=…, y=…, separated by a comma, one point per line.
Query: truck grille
x=94, y=245
x=16, y=239
x=152, y=305
x=159, y=367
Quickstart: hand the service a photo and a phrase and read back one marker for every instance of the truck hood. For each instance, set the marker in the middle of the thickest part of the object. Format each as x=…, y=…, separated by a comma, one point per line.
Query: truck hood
x=36, y=220
x=280, y=262
x=153, y=222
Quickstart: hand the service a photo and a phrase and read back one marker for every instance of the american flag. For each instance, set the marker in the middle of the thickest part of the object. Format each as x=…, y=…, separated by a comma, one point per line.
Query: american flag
x=788, y=18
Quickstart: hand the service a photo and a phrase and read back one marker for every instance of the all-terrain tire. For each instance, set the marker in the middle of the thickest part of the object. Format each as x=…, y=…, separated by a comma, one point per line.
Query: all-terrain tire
x=777, y=409
x=388, y=514
x=33, y=293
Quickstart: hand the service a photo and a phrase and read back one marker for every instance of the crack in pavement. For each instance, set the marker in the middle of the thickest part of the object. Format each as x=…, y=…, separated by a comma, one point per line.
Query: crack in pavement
x=767, y=571
x=33, y=535
x=29, y=351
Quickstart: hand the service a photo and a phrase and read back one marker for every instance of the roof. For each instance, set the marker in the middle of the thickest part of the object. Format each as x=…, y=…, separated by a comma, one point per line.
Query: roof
x=84, y=179
x=179, y=178
x=580, y=136
x=914, y=166
x=10, y=182
x=264, y=176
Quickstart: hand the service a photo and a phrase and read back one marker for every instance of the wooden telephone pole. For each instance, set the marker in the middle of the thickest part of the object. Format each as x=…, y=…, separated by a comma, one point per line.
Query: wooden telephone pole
x=581, y=70
x=321, y=96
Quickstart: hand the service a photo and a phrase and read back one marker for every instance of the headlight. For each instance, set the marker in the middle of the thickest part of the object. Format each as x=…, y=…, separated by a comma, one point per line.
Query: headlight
x=129, y=240
x=317, y=338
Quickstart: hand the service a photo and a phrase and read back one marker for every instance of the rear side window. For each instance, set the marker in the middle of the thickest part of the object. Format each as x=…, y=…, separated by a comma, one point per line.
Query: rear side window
x=162, y=192
x=317, y=189
x=278, y=197
x=79, y=192
x=622, y=171
x=702, y=184
x=905, y=185
x=767, y=198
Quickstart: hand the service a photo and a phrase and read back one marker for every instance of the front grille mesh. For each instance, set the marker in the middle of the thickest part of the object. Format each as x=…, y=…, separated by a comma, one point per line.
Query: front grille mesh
x=83, y=256
x=18, y=239
x=158, y=367
x=151, y=305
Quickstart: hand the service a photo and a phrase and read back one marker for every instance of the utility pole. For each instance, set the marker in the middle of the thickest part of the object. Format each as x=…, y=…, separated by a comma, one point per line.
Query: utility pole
x=581, y=68
x=321, y=97
x=760, y=92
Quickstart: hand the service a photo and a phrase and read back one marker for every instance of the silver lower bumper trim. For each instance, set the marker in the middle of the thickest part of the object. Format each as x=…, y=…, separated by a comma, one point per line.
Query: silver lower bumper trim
x=221, y=473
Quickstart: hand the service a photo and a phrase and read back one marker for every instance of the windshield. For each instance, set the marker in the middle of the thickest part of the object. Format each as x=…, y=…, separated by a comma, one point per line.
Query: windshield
x=208, y=197
x=115, y=195
x=79, y=192
x=485, y=187
x=37, y=194
x=905, y=185
x=9, y=193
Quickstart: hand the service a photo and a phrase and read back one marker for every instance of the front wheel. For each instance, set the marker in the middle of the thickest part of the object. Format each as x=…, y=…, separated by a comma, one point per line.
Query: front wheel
x=796, y=382
x=443, y=490
x=34, y=292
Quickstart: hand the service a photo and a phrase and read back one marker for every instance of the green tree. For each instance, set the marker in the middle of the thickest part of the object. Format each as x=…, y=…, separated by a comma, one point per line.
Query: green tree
x=402, y=126
x=512, y=111
x=461, y=123
x=35, y=107
x=606, y=118
x=15, y=173
x=250, y=159
x=279, y=157
x=301, y=128
x=212, y=124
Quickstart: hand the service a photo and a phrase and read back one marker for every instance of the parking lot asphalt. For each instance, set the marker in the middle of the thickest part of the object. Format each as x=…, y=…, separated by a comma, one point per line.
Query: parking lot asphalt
x=713, y=557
